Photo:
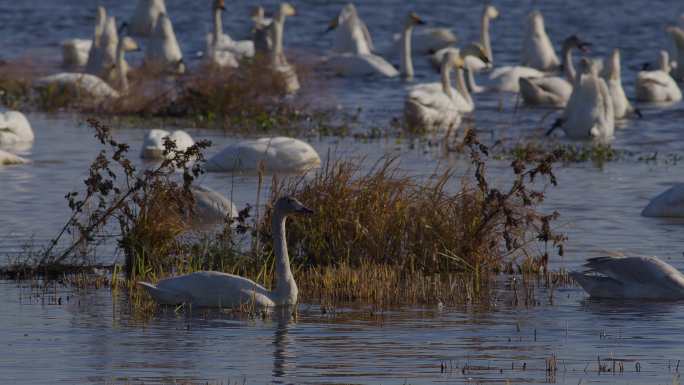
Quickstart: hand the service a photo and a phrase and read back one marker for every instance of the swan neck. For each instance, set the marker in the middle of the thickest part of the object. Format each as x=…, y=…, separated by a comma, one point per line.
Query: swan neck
x=286, y=288
x=277, y=52
x=121, y=66
x=218, y=26
x=406, y=60
x=446, y=80
x=461, y=86
x=470, y=81
x=615, y=70
x=568, y=65
x=485, y=40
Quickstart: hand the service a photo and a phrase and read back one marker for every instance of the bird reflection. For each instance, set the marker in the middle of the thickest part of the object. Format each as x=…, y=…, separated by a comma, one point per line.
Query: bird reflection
x=281, y=340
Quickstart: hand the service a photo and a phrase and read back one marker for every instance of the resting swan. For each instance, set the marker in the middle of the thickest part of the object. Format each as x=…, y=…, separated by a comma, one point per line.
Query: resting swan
x=153, y=144
x=8, y=159
x=678, y=38
x=162, y=50
x=216, y=289
x=220, y=46
x=631, y=278
x=473, y=64
x=278, y=154
x=430, y=109
x=622, y=108
x=669, y=203
x=589, y=112
x=658, y=86
x=553, y=91
x=14, y=128
x=537, y=50
x=76, y=52
x=144, y=19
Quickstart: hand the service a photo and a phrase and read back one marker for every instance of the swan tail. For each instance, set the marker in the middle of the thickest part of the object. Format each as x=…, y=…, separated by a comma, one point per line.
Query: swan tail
x=598, y=286
x=161, y=296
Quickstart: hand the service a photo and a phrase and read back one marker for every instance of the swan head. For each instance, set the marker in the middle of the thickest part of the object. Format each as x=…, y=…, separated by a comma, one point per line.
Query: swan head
x=128, y=44
x=290, y=205
x=220, y=5
x=286, y=9
x=491, y=12
x=575, y=42
x=476, y=50
x=413, y=19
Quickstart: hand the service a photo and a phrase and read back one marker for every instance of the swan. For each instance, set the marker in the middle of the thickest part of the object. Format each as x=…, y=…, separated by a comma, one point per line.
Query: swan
x=14, y=128
x=473, y=63
x=589, y=112
x=278, y=154
x=351, y=33
x=553, y=91
x=360, y=61
x=104, y=57
x=669, y=203
x=163, y=49
x=622, y=108
x=216, y=289
x=263, y=42
x=153, y=144
x=461, y=96
x=8, y=159
x=145, y=16
x=84, y=86
x=631, y=278
x=279, y=63
x=120, y=75
x=428, y=40
x=95, y=52
x=211, y=207
x=678, y=38
x=537, y=51
x=658, y=86
x=219, y=41
x=426, y=108
x=76, y=52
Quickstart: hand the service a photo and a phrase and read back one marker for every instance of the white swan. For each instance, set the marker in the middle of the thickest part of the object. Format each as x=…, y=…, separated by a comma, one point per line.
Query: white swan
x=153, y=144
x=278, y=154
x=215, y=289
x=9, y=159
x=658, y=86
x=162, y=50
x=103, y=59
x=429, y=109
x=631, y=278
x=279, y=64
x=622, y=108
x=357, y=59
x=553, y=91
x=428, y=40
x=669, y=203
x=95, y=52
x=219, y=44
x=461, y=96
x=472, y=63
x=211, y=207
x=145, y=16
x=537, y=50
x=83, y=86
x=678, y=38
x=263, y=41
x=589, y=112
x=119, y=76
x=351, y=33
x=76, y=52
x=14, y=128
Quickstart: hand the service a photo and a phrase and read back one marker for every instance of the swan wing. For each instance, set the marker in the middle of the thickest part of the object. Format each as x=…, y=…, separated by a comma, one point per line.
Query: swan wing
x=507, y=78
x=637, y=270
x=669, y=203
x=211, y=206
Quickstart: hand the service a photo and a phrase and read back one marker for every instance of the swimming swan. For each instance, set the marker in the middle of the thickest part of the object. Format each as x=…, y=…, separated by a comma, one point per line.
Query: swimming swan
x=622, y=108
x=669, y=203
x=351, y=33
x=8, y=159
x=153, y=144
x=278, y=154
x=537, y=50
x=216, y=289
x=631, y=278
x=589, y=112
x=163, y=50
x=678, y=38
x=14, y=128
x=219, y=44
x=430, y=109
x=76, y=52
x=145, y=16
x=658, y=86
x=553, y=91
x=211, y=207
x=472, y=63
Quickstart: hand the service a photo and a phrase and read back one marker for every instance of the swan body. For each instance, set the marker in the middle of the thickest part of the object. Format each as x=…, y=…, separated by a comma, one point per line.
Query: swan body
x=537, y=51
x=553, y=91
x=95, y=52
x=278, y=154
x=220, y=46
x=153, y=144
x=104, y=56
x=80, y=84
x=622, y=108
x=163, y=49
x=351, y=32
x=631, y=278
x=14, y=128
x=669, y=203
x=211, y=207
x=8, y=159
x=677, y=34
x=216, y=289
x=145, y=16
x=75, y=52
x=507, y=78
x=589, y=112
x=658, y=86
